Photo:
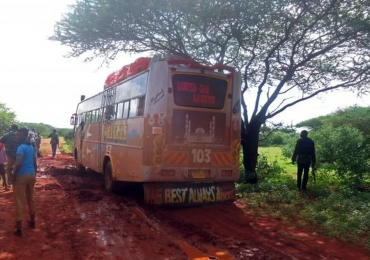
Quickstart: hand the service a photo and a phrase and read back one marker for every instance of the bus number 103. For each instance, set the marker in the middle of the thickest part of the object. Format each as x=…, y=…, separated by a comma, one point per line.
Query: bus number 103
x=201, y=155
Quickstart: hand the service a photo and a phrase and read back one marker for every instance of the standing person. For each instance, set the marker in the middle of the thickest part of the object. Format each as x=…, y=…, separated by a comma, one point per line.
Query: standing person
x=9, y=140
x=24, y=180
x=3, y=160
x=32, y=136
x=305, y=155
x=38, y=143
x=54, y=141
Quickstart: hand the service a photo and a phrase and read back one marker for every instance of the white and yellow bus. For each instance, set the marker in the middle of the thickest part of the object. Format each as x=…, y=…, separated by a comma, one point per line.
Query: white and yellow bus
x=173, y=125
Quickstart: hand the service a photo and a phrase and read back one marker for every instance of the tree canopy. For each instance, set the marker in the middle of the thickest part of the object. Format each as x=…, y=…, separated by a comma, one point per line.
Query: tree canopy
x=314, y=45
x=357, y=117
x=7, y=118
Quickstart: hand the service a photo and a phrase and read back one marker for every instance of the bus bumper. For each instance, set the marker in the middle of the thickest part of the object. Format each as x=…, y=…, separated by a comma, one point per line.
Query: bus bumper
x=189, y=193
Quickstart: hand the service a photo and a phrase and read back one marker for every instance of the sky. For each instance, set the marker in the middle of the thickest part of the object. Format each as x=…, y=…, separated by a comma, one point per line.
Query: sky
x=40, y=84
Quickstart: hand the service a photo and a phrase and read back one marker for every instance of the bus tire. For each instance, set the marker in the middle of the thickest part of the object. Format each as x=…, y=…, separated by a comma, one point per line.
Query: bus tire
x=80, y=168
x=109, y=184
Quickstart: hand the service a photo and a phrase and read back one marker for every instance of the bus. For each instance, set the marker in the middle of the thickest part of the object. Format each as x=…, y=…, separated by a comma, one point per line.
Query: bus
x=172, y=125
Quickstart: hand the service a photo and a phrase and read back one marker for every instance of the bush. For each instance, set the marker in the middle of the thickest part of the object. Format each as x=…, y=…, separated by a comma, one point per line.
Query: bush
x=68, y=135
x=335, y=210
x=266, y=170
x=342, y=150
x=67, y=147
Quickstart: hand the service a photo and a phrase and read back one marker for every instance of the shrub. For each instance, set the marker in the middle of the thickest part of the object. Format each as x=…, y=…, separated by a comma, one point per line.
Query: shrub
x=342, y=150
x=67, y=147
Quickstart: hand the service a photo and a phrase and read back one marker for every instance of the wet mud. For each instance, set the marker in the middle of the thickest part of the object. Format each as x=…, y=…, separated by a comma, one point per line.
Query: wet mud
x=77, y=219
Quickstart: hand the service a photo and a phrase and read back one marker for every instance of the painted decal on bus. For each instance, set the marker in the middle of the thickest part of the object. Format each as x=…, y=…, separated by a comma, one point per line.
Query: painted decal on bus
x=190, y=193
x=197, y=195
x=157, y=97
x=115, y=133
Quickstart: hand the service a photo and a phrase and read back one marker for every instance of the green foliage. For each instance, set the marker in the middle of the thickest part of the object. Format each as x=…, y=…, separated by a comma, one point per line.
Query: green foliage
x=357, y=117
x=7, y=118
x=274, y=153
x=342, y=150
x=288, y=148
x=67, y=147
x=68, y=135
x=332, y=209
x=265, y=170
x=275, y=137
x=46, y=129
x=276, y=43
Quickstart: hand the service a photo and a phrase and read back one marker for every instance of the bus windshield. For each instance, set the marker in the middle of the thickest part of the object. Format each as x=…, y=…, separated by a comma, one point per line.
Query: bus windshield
x=201, y=91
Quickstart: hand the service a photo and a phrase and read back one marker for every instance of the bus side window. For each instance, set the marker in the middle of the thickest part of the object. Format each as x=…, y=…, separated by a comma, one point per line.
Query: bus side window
x=110, y=112
x=140, y=108
x=93, y=116
x=133, y=108
x=82, y=120
x=126, y=107
x=88, y=117
x=99, y=117
x=138, y=85
x=119, y=110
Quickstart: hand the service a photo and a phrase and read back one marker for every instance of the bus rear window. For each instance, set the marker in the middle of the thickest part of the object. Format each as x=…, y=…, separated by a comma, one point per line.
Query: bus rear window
x=199, y=91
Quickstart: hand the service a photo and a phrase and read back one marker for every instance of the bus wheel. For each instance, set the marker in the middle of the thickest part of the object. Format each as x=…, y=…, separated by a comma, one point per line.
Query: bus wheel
x=109, y=184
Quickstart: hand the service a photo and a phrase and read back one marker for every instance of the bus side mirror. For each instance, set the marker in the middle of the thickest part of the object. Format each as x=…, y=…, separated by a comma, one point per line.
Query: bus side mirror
x=73, y=120
x=82, y=98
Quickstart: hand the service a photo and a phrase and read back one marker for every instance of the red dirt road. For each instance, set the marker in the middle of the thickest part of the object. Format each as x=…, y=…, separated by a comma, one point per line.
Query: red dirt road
x=77, y=219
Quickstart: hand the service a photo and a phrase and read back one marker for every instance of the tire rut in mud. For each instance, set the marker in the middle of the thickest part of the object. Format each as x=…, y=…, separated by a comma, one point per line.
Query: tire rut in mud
x=106, y=221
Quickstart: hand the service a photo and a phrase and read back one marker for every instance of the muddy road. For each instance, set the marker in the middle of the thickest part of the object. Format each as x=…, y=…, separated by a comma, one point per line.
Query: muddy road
x=77, y=219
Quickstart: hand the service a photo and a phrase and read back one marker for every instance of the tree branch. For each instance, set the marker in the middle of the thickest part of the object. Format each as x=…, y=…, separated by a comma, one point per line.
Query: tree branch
x=346, y=84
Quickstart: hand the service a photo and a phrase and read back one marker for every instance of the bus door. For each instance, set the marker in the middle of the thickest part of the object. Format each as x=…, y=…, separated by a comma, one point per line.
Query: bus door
x=107, y=115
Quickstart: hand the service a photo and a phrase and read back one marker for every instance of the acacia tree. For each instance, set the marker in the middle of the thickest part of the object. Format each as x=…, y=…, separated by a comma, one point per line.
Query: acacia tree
x=7, y=118
x=280, y=46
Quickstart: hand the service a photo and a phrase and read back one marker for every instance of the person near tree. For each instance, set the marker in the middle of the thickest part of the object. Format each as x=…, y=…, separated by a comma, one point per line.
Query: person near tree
x=3, y=160
x=54, y=141
x=24, y=179
x=305, y=156
x=10, y=143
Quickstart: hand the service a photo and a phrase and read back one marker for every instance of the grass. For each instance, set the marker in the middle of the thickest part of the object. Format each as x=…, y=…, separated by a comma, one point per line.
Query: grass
x=67, y=147
x=64, y=145
x=276, y=154
x=328, y=207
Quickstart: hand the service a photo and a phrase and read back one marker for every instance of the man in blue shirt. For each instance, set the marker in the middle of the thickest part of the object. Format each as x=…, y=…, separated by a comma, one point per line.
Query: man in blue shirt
x=24, y=179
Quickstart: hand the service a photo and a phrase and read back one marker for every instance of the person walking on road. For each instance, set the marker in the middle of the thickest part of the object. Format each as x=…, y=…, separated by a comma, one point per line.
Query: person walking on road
x=305, y=156
x=38, y=140
x=32, y=136
x=54, y=141
x=9, y=140
x=24, y=180
x=38, y=144
x=3, y=160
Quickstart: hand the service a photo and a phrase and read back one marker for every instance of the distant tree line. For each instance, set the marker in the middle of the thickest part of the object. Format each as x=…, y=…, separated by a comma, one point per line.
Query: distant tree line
x=8, y=117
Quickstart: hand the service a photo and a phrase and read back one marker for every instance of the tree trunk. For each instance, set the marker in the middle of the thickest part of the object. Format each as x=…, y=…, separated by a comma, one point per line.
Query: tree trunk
x=250, y=137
